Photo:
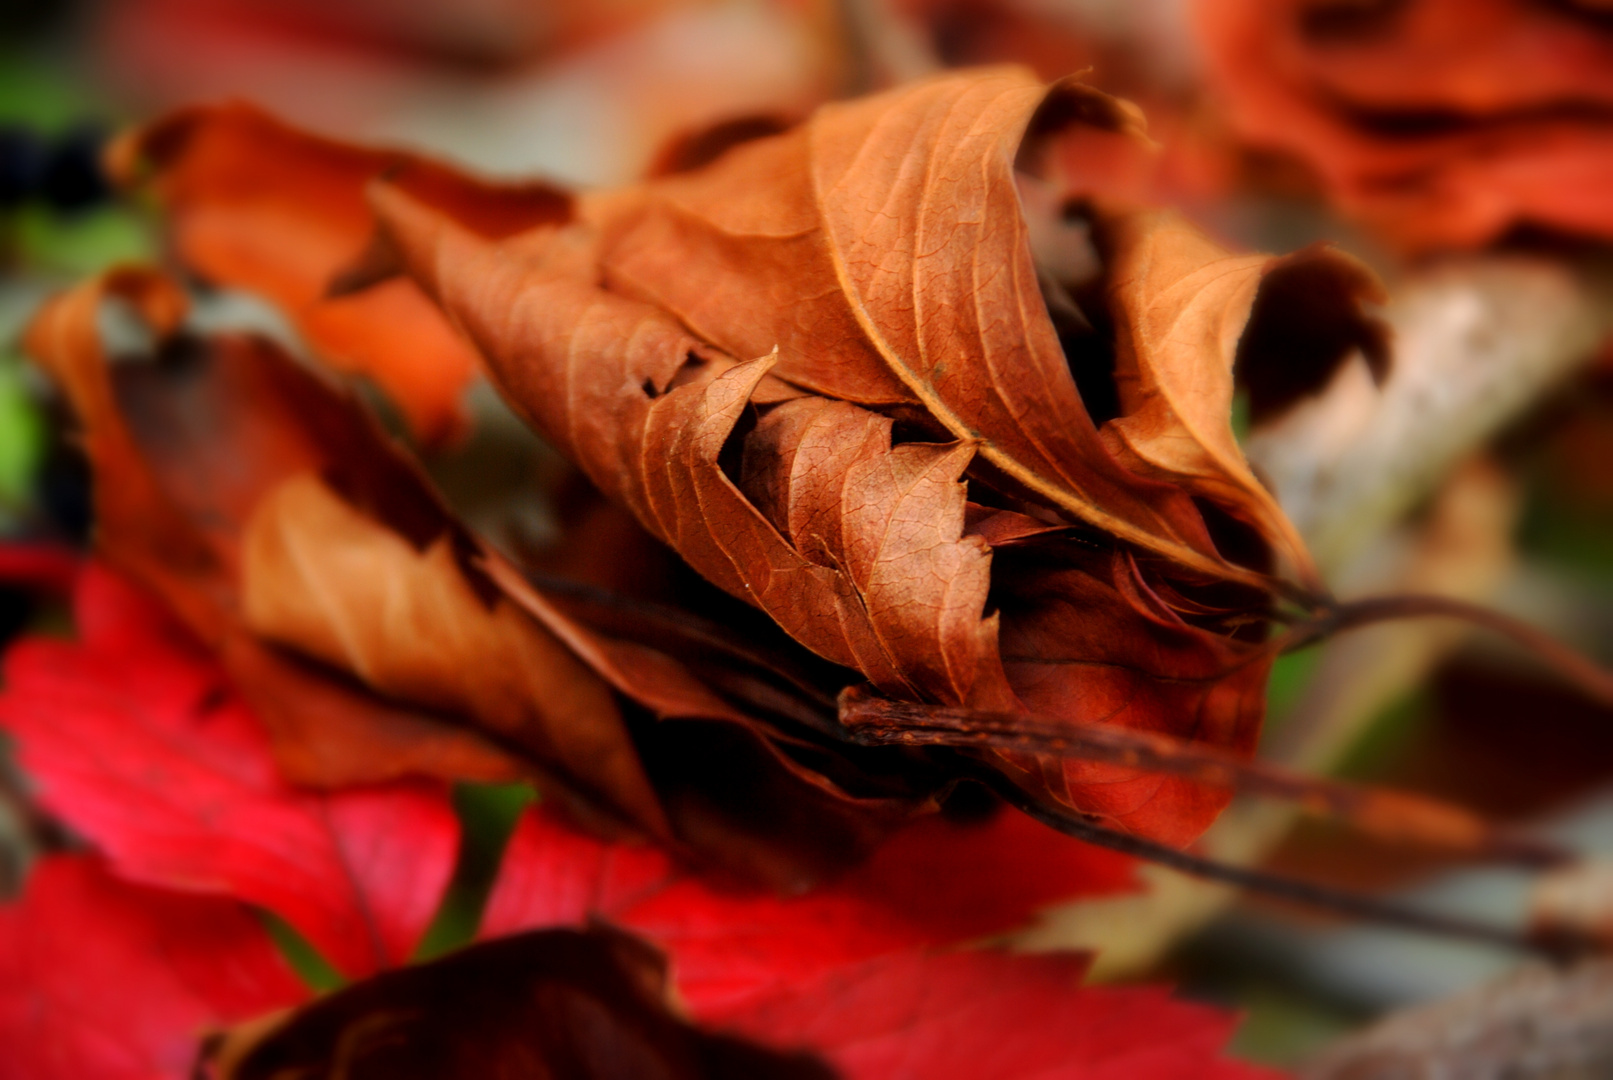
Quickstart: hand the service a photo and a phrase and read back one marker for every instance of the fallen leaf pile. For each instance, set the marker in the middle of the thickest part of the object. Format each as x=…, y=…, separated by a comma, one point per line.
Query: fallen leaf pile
x=709, y=624
x=827, y=371
x=1443, y=123
x=945, y=415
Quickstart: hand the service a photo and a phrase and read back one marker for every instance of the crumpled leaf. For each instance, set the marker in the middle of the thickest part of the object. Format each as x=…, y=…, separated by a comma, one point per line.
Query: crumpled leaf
x=257, y=205
x=827, y=263
x=1090, y=642
x=346, y=590
x=1442, y=123
x=1182, y=305
x=268, y=510
x=585, y=1004
x=137, y=742
x=103, y=978
x=876, y=265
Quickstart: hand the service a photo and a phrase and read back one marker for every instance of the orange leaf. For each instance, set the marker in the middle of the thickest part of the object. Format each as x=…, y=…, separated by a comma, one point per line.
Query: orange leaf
x=259, y=206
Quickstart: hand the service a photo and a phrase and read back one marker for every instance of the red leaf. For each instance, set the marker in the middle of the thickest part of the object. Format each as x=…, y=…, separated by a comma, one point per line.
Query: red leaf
x=849, y=971
x=100, y=978
x=997, y=874
x=152, y=757
x=137, y=742
x=975, y=1013
x=935, y=883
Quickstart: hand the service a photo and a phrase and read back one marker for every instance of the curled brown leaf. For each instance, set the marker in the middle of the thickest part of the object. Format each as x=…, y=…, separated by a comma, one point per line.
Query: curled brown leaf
x=876, y=263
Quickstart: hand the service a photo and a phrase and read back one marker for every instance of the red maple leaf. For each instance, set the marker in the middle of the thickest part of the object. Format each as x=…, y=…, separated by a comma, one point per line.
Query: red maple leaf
x=942, y=1015
x=106, y=979
x=935, y=883
x=138, y=744
x=859, y=971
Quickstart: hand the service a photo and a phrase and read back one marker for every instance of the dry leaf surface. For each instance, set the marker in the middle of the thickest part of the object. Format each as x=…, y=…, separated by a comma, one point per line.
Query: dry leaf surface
x=825, y=370
x=801, y=367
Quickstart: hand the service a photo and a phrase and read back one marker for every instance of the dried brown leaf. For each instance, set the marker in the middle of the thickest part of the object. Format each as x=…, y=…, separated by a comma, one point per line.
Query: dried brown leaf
x=1181, y=305
x=876, y=262
x=827, y=369
x=320, y=577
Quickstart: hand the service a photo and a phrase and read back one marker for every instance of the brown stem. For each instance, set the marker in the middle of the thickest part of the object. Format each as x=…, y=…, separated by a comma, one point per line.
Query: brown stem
x=1393, y=815
x=1310, y=894
x=1578, y=669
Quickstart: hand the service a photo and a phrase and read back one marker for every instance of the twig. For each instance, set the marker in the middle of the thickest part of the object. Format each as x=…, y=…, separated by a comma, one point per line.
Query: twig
x=1581, y=671
x=1389, y=814
x=1311, y=894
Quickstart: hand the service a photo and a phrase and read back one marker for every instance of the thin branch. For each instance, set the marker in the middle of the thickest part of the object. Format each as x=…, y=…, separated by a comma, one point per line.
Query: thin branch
x=1321, y=897
x=1393, y=815
x=1581, y=671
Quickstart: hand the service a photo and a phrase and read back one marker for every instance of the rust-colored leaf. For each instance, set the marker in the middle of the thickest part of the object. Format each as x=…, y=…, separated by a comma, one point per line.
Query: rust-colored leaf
x=182, y=450
x=320, y=577
x=1181, y=304
x=882, y=249
x=834, y=371
x=257, y=205
x=801, y=364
